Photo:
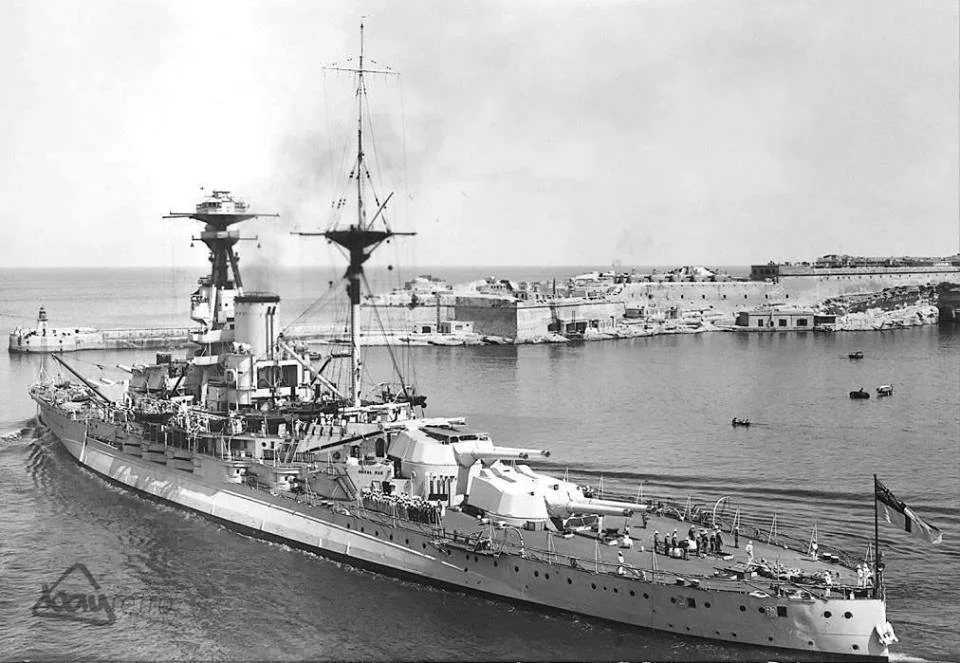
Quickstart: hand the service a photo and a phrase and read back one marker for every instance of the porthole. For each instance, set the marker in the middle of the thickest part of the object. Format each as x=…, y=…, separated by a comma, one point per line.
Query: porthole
x=856, y=647
x=632, y=593
x=495, y=564
x=669, y=625
x=616, y=591
x=828, y=614
x=673, y=599
x=810, y=643
x=536, y=574
x=734, y=634
x=770, y=638
x=465, y=569
x=376, y=532
x=546, y=576
x=645, y=595
x=424, y=545
x=688, y=628
x=361, y=529
x=348, y=525
x=476, y=559
x=762, y=610
x=743, y=608
x=516, y=569
x=569, y=581
x=391, y=537
x=593, y=585
x=706, y=604
x=847, y=615
x=604, y=588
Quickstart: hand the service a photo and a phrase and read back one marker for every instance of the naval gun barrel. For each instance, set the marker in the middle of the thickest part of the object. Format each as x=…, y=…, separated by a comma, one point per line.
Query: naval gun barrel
x=614, y=503
x=468, y=456
x=600, y=509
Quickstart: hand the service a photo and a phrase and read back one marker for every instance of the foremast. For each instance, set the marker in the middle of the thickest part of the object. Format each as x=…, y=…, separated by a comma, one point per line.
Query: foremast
x=359, y=239
x=219, y=211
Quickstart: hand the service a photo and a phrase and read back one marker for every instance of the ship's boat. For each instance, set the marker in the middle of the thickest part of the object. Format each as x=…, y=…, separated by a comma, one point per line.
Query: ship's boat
x=860, y=393
x=856, y=355
x=884, y=390
x=740, y=422
x=251, y=433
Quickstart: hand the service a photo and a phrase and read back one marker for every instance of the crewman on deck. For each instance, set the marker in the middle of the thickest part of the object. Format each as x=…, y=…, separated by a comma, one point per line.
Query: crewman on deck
x=749, y=550
x=656, y=541
x=673, y=540
x=620, y=569
x=625, y=540
x=719, y=538
x=860, y=576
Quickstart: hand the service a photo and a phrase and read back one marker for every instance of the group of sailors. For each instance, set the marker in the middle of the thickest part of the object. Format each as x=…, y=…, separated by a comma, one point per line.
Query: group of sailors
x=415, y=509
x=701, y=542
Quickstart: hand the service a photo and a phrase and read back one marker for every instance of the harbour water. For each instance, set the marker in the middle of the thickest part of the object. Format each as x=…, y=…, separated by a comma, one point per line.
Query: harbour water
x=650, y=414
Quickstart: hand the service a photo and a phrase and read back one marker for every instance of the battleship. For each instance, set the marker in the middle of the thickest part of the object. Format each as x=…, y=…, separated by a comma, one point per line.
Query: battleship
x=251, y=434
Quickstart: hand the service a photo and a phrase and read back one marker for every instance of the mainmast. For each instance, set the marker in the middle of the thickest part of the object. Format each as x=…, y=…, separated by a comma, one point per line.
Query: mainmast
x=359, y=239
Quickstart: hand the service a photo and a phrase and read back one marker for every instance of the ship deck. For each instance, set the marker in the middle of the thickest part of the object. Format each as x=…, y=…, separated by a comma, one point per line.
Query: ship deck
x=730, y=570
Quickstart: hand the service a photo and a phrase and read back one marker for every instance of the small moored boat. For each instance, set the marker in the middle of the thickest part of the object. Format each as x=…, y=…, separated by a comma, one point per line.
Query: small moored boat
x=856, y=355
x=885, y=390
x=860, y=393
x=740, y=422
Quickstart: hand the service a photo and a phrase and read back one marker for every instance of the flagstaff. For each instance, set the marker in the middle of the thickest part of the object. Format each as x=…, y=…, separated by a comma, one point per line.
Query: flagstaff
x=876, y=541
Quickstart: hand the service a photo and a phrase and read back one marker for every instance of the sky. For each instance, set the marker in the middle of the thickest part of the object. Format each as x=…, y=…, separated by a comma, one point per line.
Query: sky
x=519, y=132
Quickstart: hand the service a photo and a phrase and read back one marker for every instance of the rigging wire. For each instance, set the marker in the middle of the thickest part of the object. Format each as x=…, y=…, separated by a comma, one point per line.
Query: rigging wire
x=312, y=308
x=393, y=358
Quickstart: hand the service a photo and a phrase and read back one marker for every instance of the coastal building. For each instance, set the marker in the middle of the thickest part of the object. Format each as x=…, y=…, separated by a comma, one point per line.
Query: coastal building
x=784, y=319
x=456, y=327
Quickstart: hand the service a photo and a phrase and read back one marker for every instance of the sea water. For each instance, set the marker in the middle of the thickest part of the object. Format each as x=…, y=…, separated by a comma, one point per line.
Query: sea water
x=647, y=415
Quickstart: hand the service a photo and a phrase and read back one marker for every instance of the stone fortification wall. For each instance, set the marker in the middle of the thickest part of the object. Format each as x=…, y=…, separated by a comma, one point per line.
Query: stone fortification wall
x=815, y=288
x=723, y=297
x=937, y=272
x=807, y=289
x=534, y=320
x=523, y=321
x=491, y=316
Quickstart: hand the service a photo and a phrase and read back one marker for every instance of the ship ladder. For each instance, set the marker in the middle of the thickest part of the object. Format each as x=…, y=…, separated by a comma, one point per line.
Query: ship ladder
x=346, y=485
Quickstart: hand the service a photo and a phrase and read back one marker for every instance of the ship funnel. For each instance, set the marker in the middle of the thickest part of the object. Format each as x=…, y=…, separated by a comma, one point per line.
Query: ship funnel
x=255, y=322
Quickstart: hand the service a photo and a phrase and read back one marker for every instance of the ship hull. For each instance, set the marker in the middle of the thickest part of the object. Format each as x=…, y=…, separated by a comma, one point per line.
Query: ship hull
x=344, y=534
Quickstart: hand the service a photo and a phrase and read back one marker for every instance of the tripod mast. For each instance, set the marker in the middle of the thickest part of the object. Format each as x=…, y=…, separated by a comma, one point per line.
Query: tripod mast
x=359, y=239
